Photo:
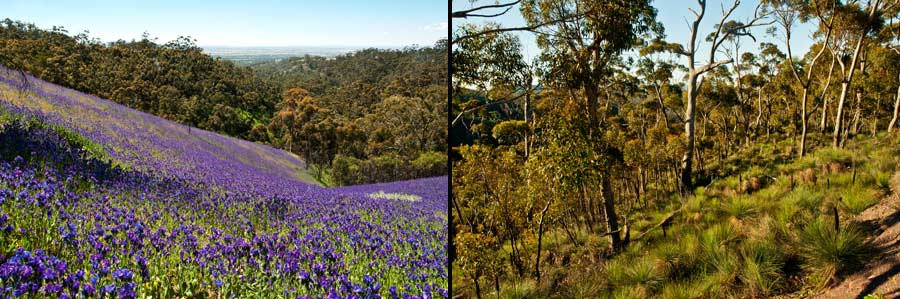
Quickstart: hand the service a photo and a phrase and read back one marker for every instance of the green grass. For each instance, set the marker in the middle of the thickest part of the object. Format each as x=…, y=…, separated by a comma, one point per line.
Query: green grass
x=761, y=273
x=725, y=243
x=742, y=207
x=828, y=252
x=857, y=198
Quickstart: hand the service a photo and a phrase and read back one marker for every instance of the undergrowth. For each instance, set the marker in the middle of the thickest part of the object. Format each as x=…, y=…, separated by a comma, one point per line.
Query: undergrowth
x=766, y=229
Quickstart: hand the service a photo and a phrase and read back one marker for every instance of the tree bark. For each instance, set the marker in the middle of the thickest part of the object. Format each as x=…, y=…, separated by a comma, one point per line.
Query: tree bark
x=687, y=159
x=804, y=119
x=896, y=110
x=845, y=84
x=537, y=260
x=854, y=129
x=838, y=118
x=527, y=124
x=823, y=126
x=758, y=107
x=477, y=288
x=609, y=207
x=662, y=108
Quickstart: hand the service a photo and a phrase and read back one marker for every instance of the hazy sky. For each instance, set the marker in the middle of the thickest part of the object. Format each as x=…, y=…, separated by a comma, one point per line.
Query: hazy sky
x=674, y=16
x=244, y=23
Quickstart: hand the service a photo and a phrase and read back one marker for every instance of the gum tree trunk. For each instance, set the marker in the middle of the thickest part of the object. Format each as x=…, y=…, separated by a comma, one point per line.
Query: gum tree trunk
x=609, y=208
x=896, y=110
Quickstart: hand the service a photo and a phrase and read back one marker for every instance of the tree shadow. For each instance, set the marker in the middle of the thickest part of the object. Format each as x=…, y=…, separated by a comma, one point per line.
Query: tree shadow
x=876, y=225
x=878, y=281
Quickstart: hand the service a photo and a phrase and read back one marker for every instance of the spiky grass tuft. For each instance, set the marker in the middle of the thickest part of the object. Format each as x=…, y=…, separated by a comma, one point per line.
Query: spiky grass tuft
x=829, y=253
x=761, y=273
x=857, y=199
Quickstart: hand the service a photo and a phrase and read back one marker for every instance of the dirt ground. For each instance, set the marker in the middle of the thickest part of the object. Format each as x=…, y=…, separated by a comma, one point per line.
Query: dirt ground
x=882, y=274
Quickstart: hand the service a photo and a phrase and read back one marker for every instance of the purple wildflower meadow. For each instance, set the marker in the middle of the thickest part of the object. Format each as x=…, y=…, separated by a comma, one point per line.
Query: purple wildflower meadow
x=99, y=200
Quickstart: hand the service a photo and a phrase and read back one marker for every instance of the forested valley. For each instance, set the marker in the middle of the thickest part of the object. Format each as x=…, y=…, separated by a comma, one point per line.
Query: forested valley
x=374, y=115
x=620, y=162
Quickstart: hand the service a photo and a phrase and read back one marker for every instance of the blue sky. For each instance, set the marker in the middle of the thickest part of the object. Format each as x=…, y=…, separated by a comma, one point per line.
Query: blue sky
x=674, y=15
x=245, y=23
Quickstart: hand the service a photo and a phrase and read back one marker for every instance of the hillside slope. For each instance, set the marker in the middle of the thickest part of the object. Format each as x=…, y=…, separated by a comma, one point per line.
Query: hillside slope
x=880, y=275
x=123, y=204
x=145, y=141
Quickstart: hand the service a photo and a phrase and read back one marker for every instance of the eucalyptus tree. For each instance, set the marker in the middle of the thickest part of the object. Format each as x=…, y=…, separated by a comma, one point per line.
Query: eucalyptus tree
x=492, y=64
x=656, y=72
x=853, y=28
x=768, y=62
x=892, y=37
x=496, y=10
x=577, y=53
x=724, y=30
x=786, y=13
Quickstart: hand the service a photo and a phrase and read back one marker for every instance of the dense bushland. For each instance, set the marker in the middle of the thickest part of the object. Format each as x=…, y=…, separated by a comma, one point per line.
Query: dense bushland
x=619, y=162
x=371, y=105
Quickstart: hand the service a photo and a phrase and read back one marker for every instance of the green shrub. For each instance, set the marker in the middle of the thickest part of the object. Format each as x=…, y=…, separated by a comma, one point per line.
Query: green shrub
x=623, y=272
x=831, y=154
x=510, y=131
x=429, y=164
x=686, y=290
x=803, y=197
x=717, y=256
x=828, y=253
x=882, y=180
x=741, y=207
x=623, y=293
x=678, y=260
x=526, y=288
x=761, y=274
x=346, y=170
x=894, y=183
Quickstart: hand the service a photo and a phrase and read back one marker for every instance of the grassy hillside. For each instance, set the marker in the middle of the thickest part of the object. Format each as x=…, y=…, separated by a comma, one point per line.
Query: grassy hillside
x=145, y=141
x=98, y=200
x=767, y=230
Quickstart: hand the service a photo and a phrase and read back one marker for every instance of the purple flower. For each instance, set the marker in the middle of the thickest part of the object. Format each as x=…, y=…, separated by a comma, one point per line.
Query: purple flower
x=127, y=291
x=53, y=288
x=110, y=289
x=88, y=289
x=123, y=274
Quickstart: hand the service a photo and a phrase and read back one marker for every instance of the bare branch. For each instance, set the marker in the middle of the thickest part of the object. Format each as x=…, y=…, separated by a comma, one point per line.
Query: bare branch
x=489, y=16
x=458, y=116
x=523, y=28
x=696, y=14
x=710, y=66
x=469, y=12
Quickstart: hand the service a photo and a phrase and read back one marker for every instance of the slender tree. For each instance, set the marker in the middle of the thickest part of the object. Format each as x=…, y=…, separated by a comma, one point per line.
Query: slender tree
x=723, y=31
x=578, y=53
x=894, y=32
x=847, y=71
x=786, y=14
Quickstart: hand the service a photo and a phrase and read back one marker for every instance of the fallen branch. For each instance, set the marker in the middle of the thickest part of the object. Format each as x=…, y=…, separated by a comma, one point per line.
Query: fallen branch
x=666, y=222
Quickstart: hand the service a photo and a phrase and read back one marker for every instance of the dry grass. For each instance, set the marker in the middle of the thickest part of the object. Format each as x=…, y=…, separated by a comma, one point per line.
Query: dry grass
x=808, y=176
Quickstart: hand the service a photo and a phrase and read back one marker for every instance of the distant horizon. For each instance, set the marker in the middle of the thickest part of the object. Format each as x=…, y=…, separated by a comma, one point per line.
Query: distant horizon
x=321, y=46
x=160, y=40
x=261, y=23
